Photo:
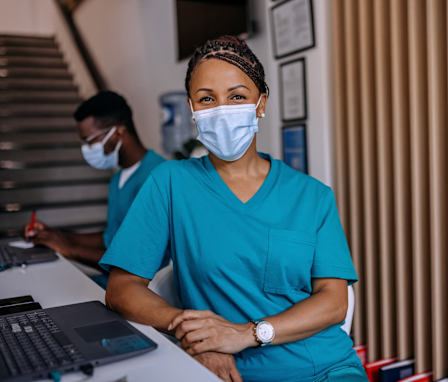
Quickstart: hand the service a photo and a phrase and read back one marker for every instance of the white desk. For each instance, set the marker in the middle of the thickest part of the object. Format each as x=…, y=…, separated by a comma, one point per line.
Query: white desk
x=60, y=283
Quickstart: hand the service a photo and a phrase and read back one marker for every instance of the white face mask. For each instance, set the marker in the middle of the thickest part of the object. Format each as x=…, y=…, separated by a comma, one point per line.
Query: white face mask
x=95, y=156
x=227, y=131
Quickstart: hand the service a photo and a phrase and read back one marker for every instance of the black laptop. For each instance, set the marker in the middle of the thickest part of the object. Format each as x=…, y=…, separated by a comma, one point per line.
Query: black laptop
x=44, y=342
x=13, y=256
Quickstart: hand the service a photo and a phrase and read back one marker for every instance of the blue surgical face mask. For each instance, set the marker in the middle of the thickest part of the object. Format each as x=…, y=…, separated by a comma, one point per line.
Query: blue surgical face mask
x=95, y=156
x=227, y=131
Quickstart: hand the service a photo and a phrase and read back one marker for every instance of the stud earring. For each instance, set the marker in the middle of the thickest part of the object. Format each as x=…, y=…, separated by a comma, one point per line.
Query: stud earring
x=263, y=115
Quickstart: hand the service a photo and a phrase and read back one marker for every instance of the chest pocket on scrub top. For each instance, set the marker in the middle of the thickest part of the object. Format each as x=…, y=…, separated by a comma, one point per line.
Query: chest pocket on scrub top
x=289, y=261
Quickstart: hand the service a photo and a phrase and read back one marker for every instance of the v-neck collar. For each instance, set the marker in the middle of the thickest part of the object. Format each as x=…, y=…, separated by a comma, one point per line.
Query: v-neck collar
x=228, y=194
x=141, y=162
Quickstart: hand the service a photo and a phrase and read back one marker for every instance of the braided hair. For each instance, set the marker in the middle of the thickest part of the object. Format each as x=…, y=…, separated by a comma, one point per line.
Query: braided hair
x=234, y=51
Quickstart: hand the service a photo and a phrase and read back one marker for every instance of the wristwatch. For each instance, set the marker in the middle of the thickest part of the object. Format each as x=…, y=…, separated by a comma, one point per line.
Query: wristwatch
x=264, y=332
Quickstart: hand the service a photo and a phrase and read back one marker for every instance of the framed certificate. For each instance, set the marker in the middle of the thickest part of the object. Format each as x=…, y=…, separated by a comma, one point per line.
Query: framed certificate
x=295, y=147
x=292, y=76
x=293, y=27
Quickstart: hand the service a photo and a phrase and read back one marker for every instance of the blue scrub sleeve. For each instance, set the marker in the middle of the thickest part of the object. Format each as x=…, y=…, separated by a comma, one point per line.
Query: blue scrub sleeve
x=107, y=232
x=140, y=244
x=332, y=256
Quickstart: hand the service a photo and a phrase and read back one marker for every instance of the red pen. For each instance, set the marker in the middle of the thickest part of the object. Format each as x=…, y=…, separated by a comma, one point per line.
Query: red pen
x=33, y=219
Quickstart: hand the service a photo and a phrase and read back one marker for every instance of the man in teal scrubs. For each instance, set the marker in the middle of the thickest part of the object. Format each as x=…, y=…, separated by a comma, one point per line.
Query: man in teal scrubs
x=244, y=261
x=110, y=140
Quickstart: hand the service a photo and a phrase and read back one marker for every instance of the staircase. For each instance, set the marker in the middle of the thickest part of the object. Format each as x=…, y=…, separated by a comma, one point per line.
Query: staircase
x=41, y=166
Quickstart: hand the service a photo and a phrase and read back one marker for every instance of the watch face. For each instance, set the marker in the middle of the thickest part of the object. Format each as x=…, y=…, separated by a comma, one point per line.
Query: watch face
x=265, y=331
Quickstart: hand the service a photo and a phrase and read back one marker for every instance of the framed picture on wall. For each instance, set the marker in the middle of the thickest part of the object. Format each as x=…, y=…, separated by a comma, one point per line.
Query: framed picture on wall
x=292, y=26
x=293, y=105
x=295, y=147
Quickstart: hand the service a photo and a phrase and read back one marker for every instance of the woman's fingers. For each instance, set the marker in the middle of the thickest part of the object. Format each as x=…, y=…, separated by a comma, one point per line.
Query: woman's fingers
x=235, y=375
x=195, y=324
x=201, y=347
x=195, y=336
x=189, y=315
x=223, y=365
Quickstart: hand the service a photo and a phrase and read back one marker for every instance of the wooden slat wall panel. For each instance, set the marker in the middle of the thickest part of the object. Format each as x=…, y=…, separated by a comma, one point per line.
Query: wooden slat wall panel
x=390, y=61
x=339, y=91
x=402, y=177
x=438, y=124
x=419, y=182
x=369, y=171
x=385, y=175
x=354, y=150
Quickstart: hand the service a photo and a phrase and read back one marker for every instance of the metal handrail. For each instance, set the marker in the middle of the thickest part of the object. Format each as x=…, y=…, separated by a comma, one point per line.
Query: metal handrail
x=91, y=66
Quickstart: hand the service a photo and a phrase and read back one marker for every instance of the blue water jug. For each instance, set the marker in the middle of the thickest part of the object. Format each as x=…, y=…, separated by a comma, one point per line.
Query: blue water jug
x=177, y=125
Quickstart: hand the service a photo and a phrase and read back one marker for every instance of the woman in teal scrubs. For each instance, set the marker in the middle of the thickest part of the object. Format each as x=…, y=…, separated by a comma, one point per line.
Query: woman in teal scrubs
x=260, y=260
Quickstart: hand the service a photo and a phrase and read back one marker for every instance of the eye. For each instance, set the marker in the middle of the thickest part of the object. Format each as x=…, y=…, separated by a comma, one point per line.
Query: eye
x=238, y=97
x=206, y=99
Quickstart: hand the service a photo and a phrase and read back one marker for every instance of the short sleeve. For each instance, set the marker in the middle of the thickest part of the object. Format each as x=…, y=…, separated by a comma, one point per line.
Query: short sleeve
x=140, y=244
x=108, y=231
x=332, y=256
x=107, y=234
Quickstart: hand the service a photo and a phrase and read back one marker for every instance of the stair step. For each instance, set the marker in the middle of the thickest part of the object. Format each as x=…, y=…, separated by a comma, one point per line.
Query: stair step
x=17, y=185
x=35, y=73
x=38, y=158
x=46, y=62
x=14, y=140
x=30, y=51
x=38, y=123
x=37, y=84
x=81, y=173
x=27, y=109
x=56, y=215
x=16, y=40
x=14, y=146
x=55, y=194
x=97, y=226
x=40, y=96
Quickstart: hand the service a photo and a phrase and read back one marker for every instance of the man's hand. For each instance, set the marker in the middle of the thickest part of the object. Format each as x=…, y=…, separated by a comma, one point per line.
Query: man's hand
x=38, y=227
x=54, y=239
x=223, y=365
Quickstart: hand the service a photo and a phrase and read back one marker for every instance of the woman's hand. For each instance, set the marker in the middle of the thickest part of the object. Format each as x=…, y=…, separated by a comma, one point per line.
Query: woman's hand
x=223, y=365
x=202, y=331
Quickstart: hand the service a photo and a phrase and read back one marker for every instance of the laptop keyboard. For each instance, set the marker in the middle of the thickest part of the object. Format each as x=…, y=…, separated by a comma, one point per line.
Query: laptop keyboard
x=31, y=342
x=6, y=258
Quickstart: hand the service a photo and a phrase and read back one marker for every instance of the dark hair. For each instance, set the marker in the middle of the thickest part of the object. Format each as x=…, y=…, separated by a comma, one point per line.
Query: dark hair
x=234, y=51
x=109, y=108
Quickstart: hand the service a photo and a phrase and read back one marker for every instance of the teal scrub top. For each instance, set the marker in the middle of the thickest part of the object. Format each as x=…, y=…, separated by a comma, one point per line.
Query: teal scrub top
x=243, y=261
x=120, y=199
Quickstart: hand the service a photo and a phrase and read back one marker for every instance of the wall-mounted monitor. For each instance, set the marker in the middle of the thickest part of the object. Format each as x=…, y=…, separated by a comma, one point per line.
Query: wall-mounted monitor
x=202, y=20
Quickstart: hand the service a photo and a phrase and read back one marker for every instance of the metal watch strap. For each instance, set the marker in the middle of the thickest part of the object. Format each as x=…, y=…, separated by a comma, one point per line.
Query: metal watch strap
x=256, y=322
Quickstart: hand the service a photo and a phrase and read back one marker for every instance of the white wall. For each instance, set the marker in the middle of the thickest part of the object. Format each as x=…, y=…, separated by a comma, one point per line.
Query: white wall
x=134, y=44
x=135, y=47
x=43, y=18
x=318, y=70
x=25, y=17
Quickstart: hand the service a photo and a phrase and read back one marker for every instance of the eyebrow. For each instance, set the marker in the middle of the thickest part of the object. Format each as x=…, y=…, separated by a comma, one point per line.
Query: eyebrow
x=203, y=90
x=236, y=87
x=229, y=89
